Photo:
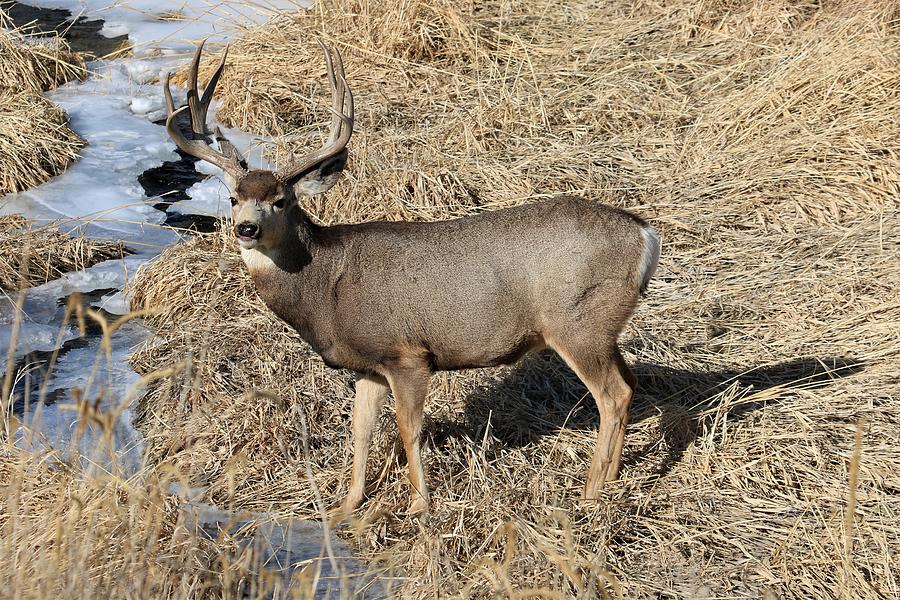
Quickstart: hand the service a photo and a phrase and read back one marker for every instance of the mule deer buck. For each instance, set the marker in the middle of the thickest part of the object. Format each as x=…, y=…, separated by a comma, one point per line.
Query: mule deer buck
x=397, y=301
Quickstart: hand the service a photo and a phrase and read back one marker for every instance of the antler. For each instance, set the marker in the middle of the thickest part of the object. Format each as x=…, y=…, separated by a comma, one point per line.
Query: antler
x=341, y=120
x=229, y=159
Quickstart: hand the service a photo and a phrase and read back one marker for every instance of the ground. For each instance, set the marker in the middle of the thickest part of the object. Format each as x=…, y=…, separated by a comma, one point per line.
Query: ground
x=758, y=137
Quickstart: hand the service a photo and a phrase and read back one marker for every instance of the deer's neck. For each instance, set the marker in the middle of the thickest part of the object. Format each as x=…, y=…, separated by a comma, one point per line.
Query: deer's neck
x=290, y=256
x=295, y=278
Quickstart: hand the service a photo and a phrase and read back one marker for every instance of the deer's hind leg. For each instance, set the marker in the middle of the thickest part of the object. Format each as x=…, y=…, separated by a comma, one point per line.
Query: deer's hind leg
x=410, y=387
x=612, y=385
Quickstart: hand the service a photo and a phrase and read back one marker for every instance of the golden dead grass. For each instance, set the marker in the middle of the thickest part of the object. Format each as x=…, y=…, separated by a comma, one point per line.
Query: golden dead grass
x=760, y=138
x=67, y=534
x=36, y=142
x=74, y=525
x=73, y=531
x=34, y=255
x=35, y=64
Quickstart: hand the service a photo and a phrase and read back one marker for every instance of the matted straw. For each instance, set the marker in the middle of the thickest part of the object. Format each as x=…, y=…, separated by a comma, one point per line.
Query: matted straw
x=36, y=142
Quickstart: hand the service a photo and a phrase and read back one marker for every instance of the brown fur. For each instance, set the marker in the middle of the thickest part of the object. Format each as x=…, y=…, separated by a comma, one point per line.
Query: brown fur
x=259, y=185
x=397, y=301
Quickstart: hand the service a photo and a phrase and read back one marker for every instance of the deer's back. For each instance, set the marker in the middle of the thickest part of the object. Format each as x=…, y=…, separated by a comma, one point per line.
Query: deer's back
x=483, y=290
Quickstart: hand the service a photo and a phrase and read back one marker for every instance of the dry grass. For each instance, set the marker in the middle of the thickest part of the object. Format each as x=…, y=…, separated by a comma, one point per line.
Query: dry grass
x=35, y=64
x=761, y=138
x=34, y=255
x=70, y=534
x=36, y=142
x=74, y=526
x=70, y=531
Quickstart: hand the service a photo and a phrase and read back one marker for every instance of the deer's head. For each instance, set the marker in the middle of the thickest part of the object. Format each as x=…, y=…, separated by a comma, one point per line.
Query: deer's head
x=263, y=201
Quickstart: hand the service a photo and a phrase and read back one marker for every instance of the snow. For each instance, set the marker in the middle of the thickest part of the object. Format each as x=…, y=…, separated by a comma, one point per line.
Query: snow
x=100, y=192
x=207, y=197
x=40, y=320
x=141, y=106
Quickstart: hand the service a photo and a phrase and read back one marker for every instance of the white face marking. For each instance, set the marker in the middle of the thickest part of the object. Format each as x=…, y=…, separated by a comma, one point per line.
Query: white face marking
x=248, y=244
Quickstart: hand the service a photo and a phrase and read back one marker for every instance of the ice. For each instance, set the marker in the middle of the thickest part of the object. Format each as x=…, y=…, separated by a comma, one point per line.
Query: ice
x=116, y=303
x=40, y=318
x=100, y=191
x=145, y=71
x=113, y=111
x=159, y=25
x=99, y=196
x=31, y=337
x=105, y=275
x=95, y=374
x=208, y=197
x=141, y=106
x=114, y=29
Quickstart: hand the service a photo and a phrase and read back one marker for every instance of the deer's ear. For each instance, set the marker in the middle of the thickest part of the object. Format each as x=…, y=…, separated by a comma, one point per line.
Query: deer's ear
x=322, y=177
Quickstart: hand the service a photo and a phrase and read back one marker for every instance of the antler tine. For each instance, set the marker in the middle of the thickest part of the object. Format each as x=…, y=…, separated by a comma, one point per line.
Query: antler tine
x=337, y=94
x=344, y=91
x=341, y=123
x=230, y=163
x=228, y=159
x=198, y=115
x=170, y=104
x=212, y=83
x=199, y=105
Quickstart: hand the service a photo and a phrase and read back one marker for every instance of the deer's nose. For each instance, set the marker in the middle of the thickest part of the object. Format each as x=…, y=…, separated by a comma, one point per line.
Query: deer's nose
x=247, y=230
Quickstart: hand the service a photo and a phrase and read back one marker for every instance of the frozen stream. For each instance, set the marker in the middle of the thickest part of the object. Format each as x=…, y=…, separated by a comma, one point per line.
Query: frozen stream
x=117, y=111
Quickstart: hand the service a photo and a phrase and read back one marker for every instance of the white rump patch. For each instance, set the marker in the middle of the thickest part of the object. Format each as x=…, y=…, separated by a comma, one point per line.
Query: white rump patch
x=650, y=255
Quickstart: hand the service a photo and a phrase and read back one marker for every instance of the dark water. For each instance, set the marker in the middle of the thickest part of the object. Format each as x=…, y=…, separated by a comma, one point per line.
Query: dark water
x=170, y=182
x=34, y=366
x=82, y=34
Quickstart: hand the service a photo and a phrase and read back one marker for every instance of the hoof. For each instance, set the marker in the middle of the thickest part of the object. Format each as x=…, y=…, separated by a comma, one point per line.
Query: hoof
x=342, y=513
x=418, y=507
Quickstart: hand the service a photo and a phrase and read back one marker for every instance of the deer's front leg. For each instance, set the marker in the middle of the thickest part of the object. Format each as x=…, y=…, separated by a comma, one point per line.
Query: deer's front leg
x=410, y=386
x=370, y=395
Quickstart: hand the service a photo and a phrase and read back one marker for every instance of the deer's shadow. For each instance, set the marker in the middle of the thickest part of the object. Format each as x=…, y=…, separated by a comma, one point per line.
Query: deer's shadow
x=541, y=395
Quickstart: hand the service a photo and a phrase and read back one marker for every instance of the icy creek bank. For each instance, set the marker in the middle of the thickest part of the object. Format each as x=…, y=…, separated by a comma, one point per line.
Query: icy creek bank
x=117, y=110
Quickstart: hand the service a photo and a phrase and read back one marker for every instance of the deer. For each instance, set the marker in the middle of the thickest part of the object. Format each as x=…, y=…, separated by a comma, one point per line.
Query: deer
x=397, y=301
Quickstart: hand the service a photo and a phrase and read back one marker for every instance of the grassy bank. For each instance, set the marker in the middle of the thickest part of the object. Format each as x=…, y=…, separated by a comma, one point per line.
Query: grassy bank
x=760, y=138
x=76, y=531
x=32, y=255
x=36, y=142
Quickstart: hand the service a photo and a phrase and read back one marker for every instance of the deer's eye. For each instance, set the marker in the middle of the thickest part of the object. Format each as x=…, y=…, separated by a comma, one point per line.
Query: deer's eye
x=278, y=203
x=233, y=200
